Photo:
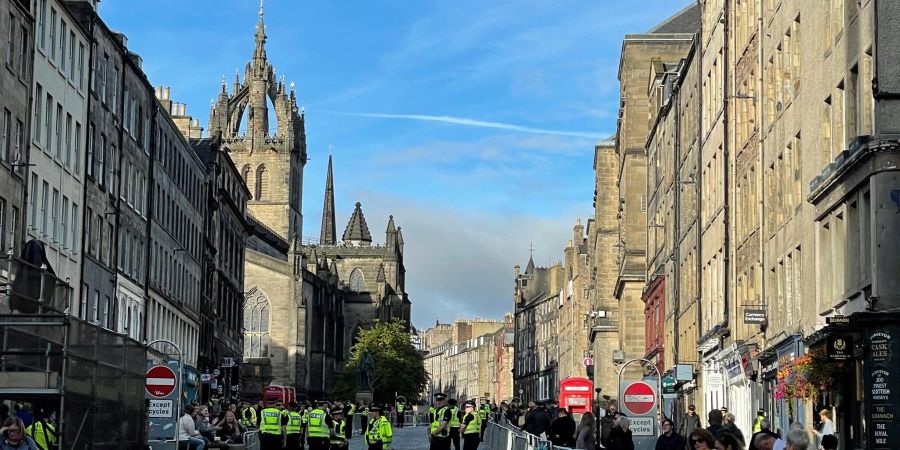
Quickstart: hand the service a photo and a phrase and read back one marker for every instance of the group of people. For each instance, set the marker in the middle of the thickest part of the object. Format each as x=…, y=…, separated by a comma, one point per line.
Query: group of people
x=323, y=426
x=27, y=429
x=448, y=424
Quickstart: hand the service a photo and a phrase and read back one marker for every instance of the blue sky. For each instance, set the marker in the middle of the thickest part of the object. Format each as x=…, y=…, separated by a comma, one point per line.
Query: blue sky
x=472, y=122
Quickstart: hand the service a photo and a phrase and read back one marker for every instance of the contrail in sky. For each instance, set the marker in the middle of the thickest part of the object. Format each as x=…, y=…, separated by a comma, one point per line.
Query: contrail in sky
x=477, y=123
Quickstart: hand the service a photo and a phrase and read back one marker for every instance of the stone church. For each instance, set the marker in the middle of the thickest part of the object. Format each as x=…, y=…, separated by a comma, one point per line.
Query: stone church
x=304, y=303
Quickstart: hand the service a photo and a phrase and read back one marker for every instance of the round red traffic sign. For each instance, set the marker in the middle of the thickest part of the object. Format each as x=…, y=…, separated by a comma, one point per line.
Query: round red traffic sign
x=639, y=398
x=160, y=381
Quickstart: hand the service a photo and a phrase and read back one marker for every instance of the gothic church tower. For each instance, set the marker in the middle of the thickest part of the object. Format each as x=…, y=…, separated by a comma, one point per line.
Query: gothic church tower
x=270, y=157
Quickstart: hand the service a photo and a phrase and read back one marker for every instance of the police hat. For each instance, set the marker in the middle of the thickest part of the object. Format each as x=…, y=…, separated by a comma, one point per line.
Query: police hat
x=440, y=396
x=469, y=403
x=375, y=409
x=337, y=411
x=322, y=402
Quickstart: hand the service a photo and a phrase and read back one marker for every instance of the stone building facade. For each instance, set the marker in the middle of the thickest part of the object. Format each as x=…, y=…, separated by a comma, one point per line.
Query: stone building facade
x=537, y=298
x=59, y=113
x=16, y=125
x=641, y=55
x=573, y=311
x=472, y=361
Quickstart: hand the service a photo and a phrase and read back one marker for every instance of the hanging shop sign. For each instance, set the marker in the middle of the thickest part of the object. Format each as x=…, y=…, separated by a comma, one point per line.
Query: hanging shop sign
x=755, y=316
x=840, y=347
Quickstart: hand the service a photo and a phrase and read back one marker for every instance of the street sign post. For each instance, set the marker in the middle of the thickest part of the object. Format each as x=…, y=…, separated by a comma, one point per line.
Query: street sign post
x=638, y=399
x=162, y=390
x=160, y=381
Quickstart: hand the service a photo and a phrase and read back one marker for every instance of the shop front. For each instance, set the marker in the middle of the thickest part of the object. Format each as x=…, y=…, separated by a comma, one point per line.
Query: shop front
x=855, y=364
x=782, y=404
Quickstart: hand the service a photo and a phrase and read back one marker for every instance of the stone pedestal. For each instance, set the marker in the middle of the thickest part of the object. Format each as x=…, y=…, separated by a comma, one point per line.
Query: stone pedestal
x=365, y=397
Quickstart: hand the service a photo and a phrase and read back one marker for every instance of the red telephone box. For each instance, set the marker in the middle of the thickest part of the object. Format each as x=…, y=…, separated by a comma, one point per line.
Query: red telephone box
x=576, y=394
x=274, y=393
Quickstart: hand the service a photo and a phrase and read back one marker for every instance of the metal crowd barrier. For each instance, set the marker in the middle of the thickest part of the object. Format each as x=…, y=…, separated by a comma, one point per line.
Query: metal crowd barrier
x=251, y=440
x=504, y=436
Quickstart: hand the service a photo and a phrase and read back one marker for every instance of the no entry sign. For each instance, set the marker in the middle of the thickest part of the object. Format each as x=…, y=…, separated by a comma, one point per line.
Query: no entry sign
x=160, y=381
x=639, y=398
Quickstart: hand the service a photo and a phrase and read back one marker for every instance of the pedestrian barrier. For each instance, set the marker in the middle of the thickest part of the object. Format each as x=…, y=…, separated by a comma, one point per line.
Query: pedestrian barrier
x=251, y=440
x=504, y=436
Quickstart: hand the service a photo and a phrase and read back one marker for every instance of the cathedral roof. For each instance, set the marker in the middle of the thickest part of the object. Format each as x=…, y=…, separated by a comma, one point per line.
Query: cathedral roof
x=357, y=229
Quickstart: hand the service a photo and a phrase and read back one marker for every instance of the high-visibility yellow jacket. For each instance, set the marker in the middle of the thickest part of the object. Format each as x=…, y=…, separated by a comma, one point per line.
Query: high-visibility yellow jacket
x=380, y=431
x=270, y=421
x=44, y=435
x=248, y=417
x=295, y=423
x=474, y=426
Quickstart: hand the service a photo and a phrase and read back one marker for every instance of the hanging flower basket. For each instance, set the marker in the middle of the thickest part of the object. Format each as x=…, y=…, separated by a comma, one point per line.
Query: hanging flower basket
x=807, y=376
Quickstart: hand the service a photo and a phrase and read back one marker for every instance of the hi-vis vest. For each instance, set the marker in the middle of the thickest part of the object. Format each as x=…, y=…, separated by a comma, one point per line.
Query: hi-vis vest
x=248, y=417
x=400, y=408
x=338, y=436
x=454, y=418
x=474, y=427
x=379, y=431
x=271, y=421
x=436, y=423
x=295, y=422
x=317, y=426
x=44, y=435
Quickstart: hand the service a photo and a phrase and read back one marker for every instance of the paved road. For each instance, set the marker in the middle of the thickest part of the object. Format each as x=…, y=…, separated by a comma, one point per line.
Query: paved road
x=406, y=438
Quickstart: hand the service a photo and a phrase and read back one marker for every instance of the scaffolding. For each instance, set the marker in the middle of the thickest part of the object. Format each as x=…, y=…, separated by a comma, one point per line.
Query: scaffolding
x=89, y=378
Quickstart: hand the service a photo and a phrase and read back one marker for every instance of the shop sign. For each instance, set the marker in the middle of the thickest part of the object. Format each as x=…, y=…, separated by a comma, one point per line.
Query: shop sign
x=754, y=316
x=837, y=320
x=883, y=401
x=734, y=368
x=668, y=387
x=840, y=348
x=684, y=372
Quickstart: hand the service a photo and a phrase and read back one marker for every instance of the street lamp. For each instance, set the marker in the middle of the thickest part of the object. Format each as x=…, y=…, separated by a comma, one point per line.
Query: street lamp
x=597, y=412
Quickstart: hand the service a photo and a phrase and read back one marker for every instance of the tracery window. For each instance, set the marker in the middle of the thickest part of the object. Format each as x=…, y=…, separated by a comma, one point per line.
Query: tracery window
x=357, y=280
x=256, y=325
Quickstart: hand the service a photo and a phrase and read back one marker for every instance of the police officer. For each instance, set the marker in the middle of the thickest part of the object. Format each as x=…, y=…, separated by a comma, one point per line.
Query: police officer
x=271, y=427
x=471, y=427
x=439, y=429
x=320, y=427
x=42, y=431
x=294, y=427
x=483, y=414
x=339, y=437
x=348, y=421
x=400, y=408
x=248, y=415
x=455, y=416
x=379, y=433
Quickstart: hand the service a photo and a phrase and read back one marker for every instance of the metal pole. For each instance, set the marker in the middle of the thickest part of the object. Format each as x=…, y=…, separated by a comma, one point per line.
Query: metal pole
x=180, y=384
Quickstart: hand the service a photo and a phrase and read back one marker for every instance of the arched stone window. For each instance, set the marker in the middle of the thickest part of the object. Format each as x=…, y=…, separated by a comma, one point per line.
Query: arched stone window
x=357, y=280
x=245, y=174
x=256, y=325
x=261, y=185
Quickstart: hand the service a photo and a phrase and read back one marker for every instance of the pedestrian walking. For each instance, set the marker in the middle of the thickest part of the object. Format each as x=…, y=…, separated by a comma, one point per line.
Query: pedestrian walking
x=691, y=422
x=715, y=422
x=620, y=435
x=584, y=434
x=728, y=441
x=13, y=437
x=701, y=439
x=606, y=423
x=562, y=429
x=669, y=439
x=729, y=426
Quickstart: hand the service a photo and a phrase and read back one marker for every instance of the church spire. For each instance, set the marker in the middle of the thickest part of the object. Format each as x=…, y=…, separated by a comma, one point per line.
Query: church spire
x=260, y=51
x=329, y=233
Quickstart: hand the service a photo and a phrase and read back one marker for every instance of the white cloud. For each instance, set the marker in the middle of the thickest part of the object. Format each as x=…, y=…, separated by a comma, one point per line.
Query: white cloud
x=464, y=121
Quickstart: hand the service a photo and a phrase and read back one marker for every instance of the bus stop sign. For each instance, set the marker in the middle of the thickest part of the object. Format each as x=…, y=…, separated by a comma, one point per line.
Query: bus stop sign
x=639, y=398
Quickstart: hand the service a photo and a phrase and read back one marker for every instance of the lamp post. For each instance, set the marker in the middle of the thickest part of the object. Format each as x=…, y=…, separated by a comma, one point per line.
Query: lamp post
x=597, y=412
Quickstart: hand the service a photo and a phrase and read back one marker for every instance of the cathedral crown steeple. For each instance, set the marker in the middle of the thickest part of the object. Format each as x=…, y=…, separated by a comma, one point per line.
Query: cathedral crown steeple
x=328, y=235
